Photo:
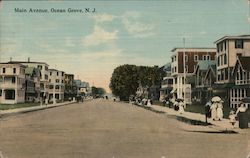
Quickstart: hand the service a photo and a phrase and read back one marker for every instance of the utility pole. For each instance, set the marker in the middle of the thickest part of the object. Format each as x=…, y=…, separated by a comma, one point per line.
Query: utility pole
x=184, y=72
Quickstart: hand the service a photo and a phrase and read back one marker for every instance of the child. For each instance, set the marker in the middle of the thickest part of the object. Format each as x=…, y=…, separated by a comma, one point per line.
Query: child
x=232, y=117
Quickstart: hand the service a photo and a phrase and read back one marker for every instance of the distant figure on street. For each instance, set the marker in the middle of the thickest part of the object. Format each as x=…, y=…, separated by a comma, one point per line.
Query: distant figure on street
x=232, y=117
x=213, y=111
x=241, y=114
x=181, y=107
x=219, y=110
x=207, y=109
x=149, y=102
x=176, y=105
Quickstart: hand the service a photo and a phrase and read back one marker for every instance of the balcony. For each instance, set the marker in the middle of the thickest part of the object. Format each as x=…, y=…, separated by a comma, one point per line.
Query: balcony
x=242, y=82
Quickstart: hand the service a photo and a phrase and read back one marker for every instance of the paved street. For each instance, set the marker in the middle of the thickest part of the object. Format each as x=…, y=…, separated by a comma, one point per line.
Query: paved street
x=106, y=129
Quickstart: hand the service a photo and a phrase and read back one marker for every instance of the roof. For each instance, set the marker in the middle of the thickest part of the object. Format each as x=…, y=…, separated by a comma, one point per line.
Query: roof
x=245, y=61
x=27, y=62
x=232, y=37
x=55, y=70
x=193, y=48
x=21, y=65
x=204, y=64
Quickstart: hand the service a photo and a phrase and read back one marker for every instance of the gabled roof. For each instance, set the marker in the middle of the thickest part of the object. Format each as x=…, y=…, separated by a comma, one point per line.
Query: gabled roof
x=212, y=69
x=232, y=37
x=243, y=62
x=203, y=65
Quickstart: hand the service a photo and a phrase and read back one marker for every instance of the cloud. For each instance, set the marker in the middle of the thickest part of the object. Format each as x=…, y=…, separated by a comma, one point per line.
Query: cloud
x=132, y=24
x=99, y=36
x=100, y=18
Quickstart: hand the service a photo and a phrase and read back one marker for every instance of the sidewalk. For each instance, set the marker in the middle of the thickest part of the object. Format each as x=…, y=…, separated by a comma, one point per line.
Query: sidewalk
x=33, y=108
x=223, y=125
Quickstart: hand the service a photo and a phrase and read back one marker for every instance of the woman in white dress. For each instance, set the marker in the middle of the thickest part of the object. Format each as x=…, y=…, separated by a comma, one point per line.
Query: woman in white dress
x=219, y=111
x=181, y=107
x=213, y=108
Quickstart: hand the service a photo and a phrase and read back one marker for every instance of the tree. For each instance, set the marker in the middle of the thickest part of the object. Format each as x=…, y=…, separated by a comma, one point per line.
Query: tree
x=124, y=81
x=126, y=78
x=97, y=91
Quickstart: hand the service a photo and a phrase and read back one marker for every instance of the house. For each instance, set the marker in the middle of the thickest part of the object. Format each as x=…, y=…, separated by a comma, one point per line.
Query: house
x=12, y=83
x=167, y=83
x=241, y=90
x=83, y=88
x=188, y=58
x=56, y=85
x=210, y=79
x=201, y=93
x=44, y=81
x=228, y=49
x=32, y=84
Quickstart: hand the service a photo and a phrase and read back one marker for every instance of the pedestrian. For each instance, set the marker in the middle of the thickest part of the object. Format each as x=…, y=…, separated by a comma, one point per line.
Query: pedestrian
x=219, y=110
x=213, y=111
x=232, y=117
x=149, y=102
x=181, y=107
x=241, y=114
x=176, y=105
x=207, y=109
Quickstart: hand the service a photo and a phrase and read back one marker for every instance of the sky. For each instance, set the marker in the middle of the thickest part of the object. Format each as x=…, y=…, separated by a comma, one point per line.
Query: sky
x=90, y=45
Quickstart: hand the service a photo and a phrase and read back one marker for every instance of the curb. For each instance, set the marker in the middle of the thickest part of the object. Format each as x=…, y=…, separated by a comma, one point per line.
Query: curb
x=5, y=113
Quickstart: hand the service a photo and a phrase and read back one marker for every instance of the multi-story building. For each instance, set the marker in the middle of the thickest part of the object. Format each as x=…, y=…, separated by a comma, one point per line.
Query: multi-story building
x=70, y=87
x=44, y=75
x=228, y=49
x=241, y=90
x=12, y=83
x=189, y=58
x=201, y=93
x=56, y=85
x=167, y=83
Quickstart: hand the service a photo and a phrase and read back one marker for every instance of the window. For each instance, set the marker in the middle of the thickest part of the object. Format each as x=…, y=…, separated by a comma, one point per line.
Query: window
x=14, y=70
x=208, y=57
x=49, y=80
x=186, y=68
x=4, y=70
x=62, y=73
x=50, y=73
x=239, y=44
x=57, y=87
x=46, y=77
x=172, y=59
x=39, y=67
x=239, y=55
x=218, y=61
x=57, y=81
x=175, y=69
x=226, y=73
x=225, y=59
x=218, y=77
x=13, y=80
x=196, y=58
x=51, y=86
x=186, y=58
x=10, y=94
x=62, y=81
x=57, y=73
x=204, y=57
x=225, y=45
x=0, y=92
x=46, y=68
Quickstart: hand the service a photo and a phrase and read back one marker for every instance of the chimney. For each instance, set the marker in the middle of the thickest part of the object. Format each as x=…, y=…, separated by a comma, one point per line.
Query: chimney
x=10, y=59
x=28, y=59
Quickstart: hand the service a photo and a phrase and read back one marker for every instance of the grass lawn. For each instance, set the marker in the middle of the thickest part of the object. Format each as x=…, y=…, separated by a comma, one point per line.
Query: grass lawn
x=15, y=106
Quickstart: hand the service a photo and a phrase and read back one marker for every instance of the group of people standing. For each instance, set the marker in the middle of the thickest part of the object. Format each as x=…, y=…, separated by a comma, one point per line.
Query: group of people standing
x=216, y=110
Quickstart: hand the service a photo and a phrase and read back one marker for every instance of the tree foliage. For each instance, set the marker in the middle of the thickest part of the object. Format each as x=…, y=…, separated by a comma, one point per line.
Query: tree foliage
x=98, y=91
x=126, y=79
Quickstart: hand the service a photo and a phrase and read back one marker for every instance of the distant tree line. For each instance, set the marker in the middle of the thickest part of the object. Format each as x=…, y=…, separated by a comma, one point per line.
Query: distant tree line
x=98, y=92
x=126, y=79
